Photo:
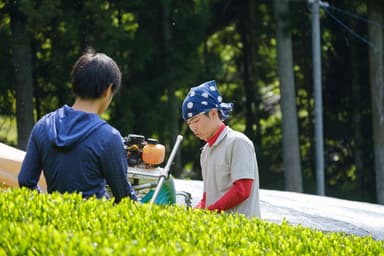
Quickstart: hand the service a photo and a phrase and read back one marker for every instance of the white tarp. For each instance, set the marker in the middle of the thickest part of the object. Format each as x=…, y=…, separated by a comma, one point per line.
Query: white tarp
x=317, y=212
x=10, y=159
x=10, y=163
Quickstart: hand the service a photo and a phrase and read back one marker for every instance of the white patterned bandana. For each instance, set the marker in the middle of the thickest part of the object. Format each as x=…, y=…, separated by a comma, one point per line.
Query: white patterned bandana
x=203, y=98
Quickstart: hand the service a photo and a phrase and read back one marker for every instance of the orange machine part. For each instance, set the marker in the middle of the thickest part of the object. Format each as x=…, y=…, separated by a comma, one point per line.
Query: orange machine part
x=153, y=153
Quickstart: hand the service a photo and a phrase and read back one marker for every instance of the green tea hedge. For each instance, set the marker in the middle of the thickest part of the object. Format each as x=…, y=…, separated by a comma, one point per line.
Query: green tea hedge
x=65, y=224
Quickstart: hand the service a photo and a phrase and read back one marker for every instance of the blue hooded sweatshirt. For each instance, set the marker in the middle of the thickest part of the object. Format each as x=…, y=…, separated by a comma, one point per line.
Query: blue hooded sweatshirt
x=78, y=152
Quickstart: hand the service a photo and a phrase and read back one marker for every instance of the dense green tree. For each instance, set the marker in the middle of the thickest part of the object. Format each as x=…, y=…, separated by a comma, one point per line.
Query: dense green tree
x=165, y=47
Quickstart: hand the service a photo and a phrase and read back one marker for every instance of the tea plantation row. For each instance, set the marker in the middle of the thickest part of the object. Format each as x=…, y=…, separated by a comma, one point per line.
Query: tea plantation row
x=56, y=224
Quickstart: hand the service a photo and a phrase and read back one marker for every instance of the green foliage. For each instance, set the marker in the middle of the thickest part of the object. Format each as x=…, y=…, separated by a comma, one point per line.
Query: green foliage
x=65, y=224
x=8, y=130
x=7, y=97
x=196, y=41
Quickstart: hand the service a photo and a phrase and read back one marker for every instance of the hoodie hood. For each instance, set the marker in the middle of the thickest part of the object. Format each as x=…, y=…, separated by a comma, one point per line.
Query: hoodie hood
x=68, y=127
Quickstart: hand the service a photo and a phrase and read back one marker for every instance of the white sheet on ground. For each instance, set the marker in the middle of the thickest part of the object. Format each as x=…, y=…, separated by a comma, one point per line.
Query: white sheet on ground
x=318, y=212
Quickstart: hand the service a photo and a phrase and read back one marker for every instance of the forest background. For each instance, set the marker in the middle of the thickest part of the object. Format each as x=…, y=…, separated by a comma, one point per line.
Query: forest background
x=258, y=51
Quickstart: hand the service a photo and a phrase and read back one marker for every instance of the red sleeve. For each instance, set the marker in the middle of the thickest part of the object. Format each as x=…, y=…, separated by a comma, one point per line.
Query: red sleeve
x=239, y=192
x=201, y=204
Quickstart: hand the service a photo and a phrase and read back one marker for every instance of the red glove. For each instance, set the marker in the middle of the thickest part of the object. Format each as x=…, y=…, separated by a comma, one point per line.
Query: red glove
x=201, y=204
x=239, y=192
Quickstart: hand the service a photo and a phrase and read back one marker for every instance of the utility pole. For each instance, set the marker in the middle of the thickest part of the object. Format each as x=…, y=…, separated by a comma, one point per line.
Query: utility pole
x=317, y=91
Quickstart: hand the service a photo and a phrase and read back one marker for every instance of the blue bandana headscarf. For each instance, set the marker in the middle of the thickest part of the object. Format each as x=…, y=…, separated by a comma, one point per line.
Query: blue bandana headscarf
x=203, y=98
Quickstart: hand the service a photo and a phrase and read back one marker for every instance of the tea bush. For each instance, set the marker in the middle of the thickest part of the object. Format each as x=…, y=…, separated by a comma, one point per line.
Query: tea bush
x=65, y=224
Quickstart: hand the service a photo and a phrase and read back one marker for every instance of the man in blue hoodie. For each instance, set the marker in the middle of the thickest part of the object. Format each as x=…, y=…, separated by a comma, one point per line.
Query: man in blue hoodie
x=77, y=150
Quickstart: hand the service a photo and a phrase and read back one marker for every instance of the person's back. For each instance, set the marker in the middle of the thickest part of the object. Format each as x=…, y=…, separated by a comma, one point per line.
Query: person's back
x=76, y=149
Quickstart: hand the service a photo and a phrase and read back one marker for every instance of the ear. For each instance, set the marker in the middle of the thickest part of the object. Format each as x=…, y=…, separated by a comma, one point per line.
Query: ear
x=108, y=91
x=214, y=112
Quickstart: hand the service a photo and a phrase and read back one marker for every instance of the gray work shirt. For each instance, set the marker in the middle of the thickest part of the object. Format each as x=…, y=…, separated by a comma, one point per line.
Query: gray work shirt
x=230, y=158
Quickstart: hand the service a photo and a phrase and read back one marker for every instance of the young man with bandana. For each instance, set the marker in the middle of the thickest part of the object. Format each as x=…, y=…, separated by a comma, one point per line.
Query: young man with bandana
x=228, y=159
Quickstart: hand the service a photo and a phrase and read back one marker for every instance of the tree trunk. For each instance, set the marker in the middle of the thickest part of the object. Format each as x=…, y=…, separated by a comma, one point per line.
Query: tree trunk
x=22, y=62
x=248, y=75
x=291, y=148
x=249, y=35
x=255, y=96
x=169, y=73
x=356, y=121
x=375, y=13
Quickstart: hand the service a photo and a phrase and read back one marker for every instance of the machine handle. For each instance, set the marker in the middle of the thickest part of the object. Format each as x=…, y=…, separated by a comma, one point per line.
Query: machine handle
x=166, y=169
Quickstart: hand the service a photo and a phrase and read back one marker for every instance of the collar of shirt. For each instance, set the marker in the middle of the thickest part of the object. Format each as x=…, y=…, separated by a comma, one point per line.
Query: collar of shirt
x=212, y=140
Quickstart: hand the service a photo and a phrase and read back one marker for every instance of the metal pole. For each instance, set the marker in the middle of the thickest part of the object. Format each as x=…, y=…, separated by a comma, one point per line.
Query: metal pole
x=165, y=171
x=319, y=146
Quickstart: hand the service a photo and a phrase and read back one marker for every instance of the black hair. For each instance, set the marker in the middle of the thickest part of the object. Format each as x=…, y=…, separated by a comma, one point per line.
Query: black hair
x=92, y=73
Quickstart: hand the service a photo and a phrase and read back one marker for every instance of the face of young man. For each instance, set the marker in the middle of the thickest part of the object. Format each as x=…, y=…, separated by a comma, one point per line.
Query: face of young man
x=204, y=126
